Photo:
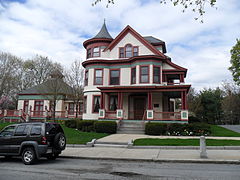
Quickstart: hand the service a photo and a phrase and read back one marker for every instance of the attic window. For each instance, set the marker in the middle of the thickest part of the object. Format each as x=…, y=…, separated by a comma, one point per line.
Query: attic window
x=88, y=53
x=128, y=51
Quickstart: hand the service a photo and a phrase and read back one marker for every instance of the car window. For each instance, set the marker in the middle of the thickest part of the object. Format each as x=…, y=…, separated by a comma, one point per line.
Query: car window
x=36, y=130
x=8, y=131
x=22, y=130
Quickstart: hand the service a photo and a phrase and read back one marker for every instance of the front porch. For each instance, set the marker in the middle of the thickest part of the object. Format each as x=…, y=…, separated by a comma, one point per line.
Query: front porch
x=153, y=103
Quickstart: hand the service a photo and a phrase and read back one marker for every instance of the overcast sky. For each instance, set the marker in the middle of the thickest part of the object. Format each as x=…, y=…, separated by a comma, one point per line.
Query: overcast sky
x=57, y=29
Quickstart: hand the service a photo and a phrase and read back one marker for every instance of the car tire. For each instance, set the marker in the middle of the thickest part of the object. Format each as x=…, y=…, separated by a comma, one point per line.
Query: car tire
x=28, y=156
x=52, y=156
x=59, y=141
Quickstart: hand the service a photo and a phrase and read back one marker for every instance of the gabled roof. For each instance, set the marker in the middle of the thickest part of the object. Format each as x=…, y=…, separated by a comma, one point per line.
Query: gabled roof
x=103, y=33
x=127, y=30
x=51, y=86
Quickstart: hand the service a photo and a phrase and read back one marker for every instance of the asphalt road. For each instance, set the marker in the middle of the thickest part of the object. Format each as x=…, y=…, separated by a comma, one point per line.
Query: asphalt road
x=68, y=169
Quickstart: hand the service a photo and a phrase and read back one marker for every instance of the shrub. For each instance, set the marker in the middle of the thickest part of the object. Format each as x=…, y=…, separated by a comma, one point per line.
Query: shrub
x=175, y=129
x=155, y=128
x=105, y=127
x=193, y=119
x=199, y=129
x=71, y=123
x=86, y=125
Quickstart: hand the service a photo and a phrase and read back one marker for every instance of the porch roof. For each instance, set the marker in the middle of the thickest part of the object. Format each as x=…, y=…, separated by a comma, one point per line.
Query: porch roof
x=153, y=88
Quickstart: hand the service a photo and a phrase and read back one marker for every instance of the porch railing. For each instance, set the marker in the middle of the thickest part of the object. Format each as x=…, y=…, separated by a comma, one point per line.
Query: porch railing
x=111, y=114
x=166, y=116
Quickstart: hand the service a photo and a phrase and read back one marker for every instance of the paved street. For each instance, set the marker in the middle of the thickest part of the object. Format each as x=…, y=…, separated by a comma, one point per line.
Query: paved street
x=68, y=169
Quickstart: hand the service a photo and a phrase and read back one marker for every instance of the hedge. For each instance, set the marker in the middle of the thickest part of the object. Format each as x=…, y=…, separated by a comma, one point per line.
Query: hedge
x=86, y=125
x=72, y=123
x=105, y=127
x=155, y=128
x=175, y=129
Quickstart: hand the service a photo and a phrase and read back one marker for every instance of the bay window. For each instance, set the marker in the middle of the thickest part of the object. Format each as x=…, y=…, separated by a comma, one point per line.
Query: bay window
x=144, y=74
x=98, y=76
x=96, y=104
x=114, y=77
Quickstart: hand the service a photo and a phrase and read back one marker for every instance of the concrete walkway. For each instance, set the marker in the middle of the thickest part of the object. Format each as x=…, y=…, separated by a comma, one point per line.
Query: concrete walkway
x=235, y=128
x=125, y=138
x=162, y=155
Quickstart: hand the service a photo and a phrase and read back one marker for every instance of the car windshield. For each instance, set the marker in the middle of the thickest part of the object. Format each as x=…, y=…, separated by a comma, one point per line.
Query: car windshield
x=8, y=131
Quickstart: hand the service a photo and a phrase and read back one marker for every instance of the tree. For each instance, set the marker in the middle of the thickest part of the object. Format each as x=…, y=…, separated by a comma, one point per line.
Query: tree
x=10, y=75
x=235, y=62
x=231, y=104
x=39, y=68
x=210, y=109
x=197, y=6
x=75, y=78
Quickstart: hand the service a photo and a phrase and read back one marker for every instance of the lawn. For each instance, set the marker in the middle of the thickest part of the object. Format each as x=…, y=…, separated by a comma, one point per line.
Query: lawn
x=79, y=137
x=74, y=136
x=183, y=142
x=223, y=132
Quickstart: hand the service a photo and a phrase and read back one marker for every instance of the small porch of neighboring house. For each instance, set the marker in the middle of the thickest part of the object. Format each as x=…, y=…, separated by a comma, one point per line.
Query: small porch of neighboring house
x=42, y=110
x=145, y=103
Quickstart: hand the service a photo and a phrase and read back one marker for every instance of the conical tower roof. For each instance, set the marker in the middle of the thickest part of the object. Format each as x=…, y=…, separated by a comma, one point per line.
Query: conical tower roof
x=103, y=33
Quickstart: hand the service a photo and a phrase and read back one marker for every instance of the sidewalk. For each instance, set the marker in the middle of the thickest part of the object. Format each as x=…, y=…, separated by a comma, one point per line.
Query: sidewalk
x=161, y=155
x=125, y=138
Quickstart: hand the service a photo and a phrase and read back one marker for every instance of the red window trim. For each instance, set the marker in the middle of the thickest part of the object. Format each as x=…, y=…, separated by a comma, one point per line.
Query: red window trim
x=71, y=112
x=135, y=75
x=38, y=101
x=94, y=82
x=109, y=76
x=140, y=77
x=93, y=103
x=25, y=102
x=160, y=75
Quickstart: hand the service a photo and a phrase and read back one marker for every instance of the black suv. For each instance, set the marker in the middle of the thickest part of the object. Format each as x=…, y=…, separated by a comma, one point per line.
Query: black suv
x=32, y=141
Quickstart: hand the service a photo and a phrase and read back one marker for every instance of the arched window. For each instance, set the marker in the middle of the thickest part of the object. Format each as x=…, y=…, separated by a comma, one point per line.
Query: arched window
x=128, y=50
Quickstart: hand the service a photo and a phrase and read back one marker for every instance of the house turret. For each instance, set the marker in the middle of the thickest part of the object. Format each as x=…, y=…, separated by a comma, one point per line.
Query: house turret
x=98, y=43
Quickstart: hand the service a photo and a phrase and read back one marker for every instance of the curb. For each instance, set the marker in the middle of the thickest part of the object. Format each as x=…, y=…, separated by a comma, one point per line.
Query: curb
x=159, y=160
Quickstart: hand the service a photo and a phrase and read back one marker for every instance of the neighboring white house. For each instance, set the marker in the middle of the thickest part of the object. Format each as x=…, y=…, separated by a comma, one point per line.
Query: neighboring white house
x=130, y=77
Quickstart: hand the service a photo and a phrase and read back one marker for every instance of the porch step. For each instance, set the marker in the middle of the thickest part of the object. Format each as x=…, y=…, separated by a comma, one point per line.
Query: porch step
x=131, y=127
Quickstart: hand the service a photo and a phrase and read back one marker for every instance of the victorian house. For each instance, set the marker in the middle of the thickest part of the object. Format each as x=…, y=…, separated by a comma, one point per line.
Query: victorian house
x=129, y=77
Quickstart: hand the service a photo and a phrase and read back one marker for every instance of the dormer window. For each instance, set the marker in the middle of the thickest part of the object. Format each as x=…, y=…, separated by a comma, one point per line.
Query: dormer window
x=128, y=51
x=96, y=52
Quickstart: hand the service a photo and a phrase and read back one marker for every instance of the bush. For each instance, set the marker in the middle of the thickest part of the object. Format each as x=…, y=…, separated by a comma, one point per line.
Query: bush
x=175, y=129
x=199, y=129
x=155, y=128
x=71, y=123
x=193, y=119
x=105, y=127
x=86, y=125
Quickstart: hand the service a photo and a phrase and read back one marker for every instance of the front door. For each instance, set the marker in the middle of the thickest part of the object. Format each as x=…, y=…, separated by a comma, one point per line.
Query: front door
x=139, y=108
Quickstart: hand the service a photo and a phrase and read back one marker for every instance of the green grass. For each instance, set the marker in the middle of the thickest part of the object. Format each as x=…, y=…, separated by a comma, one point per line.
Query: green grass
x=222, y=132
x=78, y=137
x=3, y=125
x=73, y=136
x=184, y=142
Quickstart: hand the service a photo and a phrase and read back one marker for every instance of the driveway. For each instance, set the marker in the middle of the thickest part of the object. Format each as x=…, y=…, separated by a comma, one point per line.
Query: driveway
x=235, y=128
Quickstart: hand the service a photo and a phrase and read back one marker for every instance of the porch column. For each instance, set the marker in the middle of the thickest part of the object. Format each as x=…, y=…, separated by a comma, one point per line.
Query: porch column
x=150, y=106
x=184, y=100
x=120, y=100
x=119, y=114
x=181, y=78
x=102, y=105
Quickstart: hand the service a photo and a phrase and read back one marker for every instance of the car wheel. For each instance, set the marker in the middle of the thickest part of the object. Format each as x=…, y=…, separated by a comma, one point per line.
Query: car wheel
x=52, y=156
x=60, y=141
x=28, y=156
